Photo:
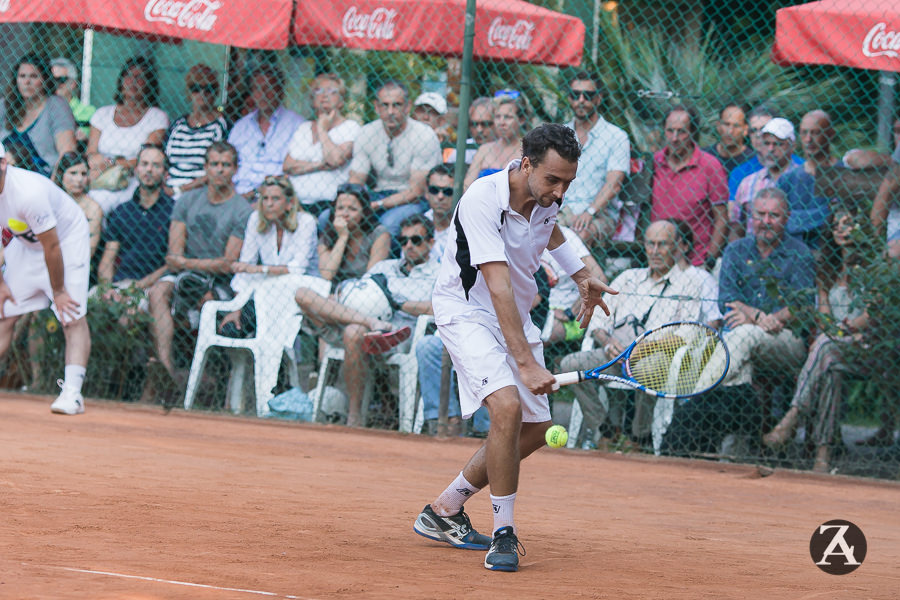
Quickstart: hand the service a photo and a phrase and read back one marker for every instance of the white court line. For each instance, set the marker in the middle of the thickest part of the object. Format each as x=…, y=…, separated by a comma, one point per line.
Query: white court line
x=174, y=582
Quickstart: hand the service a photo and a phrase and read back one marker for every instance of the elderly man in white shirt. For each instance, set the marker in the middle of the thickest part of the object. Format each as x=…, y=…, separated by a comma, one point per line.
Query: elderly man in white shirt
x=648, y=297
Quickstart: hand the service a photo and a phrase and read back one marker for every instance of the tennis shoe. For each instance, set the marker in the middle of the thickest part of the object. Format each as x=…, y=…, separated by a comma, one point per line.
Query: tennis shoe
x=504, y=552
x=456, y=530
x=379, y=342
x=69, y=402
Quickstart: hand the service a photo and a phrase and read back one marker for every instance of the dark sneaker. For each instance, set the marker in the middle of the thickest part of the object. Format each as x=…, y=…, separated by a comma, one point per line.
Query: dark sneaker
x=504, y=552
x=456, y=530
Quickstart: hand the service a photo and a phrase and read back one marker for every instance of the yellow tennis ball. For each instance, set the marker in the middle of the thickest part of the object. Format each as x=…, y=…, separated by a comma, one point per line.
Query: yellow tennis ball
x=17, y=226
x=557, y=436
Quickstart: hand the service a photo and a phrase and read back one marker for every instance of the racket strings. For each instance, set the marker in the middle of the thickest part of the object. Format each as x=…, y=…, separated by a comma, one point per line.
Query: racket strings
x=671, y=360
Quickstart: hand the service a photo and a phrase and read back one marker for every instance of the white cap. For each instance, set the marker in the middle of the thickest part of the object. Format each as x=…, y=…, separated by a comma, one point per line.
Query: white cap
x=780, y=128
x=434, y=100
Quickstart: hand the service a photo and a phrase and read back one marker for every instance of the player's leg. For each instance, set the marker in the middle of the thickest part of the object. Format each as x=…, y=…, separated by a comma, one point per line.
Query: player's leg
x=77, y=334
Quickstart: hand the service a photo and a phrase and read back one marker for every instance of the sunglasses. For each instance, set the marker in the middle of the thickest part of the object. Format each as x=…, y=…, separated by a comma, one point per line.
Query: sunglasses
x=587, y=94
x=484, y=124
x=390, y=154
x=435, y=190
x=327, y=91
x=415, y=239
x=508, y=93
x=202, y=88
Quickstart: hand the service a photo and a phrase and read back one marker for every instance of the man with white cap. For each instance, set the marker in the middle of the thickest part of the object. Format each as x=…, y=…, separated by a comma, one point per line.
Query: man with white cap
x=776, y=144
x=47, y=264
x=66, y=75
x=430, y=108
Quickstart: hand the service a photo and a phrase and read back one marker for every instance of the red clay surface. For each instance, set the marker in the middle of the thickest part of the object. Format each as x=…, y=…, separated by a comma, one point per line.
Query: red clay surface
x=126, y=502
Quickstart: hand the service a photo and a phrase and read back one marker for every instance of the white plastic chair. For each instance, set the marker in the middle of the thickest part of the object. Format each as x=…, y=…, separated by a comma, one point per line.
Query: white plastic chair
x=278, y=320
x=408, y=377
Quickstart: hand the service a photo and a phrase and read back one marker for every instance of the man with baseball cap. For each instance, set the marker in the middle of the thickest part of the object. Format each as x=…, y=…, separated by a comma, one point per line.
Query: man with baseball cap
x=47, y=264
x=776, y=144
x=65, y=73
x=431, y=108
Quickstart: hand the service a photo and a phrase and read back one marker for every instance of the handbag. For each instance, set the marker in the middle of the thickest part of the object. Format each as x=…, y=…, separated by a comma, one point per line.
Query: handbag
x=114, y=179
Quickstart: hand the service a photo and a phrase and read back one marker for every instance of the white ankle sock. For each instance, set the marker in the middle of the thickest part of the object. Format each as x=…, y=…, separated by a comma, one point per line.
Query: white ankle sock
x=451, y=501
x=74, y=377
x=503, y=511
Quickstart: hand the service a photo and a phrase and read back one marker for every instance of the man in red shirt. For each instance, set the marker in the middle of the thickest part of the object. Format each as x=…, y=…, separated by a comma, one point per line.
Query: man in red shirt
x=691, y=185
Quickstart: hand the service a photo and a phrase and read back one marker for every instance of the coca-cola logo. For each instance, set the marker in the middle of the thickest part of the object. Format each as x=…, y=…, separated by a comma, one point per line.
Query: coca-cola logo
x=880, y=42
x=377, y=25
x=4, y=5
x=515, y=36
x=190, y=14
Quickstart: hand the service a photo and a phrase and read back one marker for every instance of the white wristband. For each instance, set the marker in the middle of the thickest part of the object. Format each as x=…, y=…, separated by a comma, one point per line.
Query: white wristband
x=568, y=259
x=591, y=211
x=265, y=269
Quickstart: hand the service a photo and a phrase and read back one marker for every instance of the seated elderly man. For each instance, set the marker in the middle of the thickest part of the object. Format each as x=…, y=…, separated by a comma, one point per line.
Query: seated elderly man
x=648, y=297
x=756, y=324
x=407, y=283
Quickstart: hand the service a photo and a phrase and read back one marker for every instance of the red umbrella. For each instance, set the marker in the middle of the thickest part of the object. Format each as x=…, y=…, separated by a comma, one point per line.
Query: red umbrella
x=510, y=30
x=851, y=33
x=263, y=24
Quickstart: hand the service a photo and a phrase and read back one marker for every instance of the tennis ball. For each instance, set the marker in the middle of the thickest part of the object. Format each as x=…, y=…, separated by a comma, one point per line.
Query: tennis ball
x=17, y=226
x=557, y=436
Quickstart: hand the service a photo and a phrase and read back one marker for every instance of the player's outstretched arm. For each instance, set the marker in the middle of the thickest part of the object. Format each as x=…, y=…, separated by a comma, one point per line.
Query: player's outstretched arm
x=591, y=290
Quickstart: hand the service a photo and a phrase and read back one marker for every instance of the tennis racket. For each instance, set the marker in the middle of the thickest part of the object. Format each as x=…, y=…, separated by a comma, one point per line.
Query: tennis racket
x=676, y=360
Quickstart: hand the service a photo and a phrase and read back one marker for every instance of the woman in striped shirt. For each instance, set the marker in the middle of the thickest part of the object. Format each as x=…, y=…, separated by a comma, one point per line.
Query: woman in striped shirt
x=190, y=135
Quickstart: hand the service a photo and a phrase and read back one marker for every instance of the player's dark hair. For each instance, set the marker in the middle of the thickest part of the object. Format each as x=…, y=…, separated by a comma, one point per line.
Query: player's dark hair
x=549, y=136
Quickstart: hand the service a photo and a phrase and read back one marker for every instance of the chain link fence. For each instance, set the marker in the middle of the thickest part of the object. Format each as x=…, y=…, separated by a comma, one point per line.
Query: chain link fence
x=269, y=157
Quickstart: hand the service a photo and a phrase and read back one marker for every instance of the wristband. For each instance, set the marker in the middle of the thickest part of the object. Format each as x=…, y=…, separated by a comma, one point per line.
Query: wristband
x=567, y=258
x=265, y=269
x=569, y=314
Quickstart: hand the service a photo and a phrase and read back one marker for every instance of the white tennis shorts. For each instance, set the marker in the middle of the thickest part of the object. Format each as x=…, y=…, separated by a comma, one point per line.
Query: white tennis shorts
x=483, y=365
x=28, y=280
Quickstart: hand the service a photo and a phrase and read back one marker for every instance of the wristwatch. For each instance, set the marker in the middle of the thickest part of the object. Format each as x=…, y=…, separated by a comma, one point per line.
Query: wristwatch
x=591, y=211
x=569, y=314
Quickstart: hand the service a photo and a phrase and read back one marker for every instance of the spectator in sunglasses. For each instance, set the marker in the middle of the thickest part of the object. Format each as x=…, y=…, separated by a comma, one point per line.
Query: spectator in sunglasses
x=65, y=73
x=510, y=117
x=190, y=135
x=592, y=208
x=481, y=129
x=439, y=194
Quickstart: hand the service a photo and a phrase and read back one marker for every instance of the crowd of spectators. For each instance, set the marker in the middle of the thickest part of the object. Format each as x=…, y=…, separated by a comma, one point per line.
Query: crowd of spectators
x=197, y=208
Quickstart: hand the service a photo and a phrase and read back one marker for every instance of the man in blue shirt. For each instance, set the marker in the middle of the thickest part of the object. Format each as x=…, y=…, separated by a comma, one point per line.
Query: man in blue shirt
x=137, y=231
x=809, y=213
x=757, y=119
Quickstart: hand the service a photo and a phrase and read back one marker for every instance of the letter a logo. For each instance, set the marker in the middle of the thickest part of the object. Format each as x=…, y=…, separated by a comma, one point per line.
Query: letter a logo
x=838, y=547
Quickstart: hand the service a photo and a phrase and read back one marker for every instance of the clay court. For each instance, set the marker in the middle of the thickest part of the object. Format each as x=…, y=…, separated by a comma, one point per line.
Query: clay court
x=127, y=502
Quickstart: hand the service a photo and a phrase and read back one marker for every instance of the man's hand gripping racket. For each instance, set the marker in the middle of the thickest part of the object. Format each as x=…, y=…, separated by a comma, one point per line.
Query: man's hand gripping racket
x=676, y=360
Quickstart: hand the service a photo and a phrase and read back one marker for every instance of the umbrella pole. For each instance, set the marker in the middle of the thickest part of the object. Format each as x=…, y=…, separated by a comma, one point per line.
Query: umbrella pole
x=465, y=99
x=87, y=56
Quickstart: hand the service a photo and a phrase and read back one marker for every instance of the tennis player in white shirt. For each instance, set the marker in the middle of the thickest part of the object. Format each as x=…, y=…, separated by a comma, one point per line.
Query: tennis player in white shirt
x=47, y=263
x=481, y=300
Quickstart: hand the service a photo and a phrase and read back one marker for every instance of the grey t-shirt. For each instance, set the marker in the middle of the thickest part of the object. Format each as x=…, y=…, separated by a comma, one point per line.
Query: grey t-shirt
x=55, y=118
x=210, y=225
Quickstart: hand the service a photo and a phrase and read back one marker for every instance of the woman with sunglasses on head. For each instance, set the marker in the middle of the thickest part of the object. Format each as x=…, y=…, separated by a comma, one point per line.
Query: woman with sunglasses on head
x=280, y=239
x=190, y=135
x=119, y=130
x=34, y=116
x=319, y=152
x=510, y=117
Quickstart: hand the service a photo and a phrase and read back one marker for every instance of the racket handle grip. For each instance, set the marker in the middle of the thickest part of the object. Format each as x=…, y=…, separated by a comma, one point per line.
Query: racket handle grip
x=568, y=379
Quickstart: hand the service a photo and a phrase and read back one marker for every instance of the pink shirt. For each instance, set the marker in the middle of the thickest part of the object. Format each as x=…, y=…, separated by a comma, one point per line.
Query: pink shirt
x=689, y=194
